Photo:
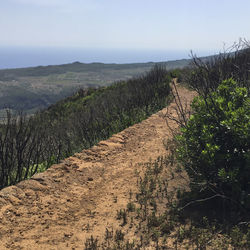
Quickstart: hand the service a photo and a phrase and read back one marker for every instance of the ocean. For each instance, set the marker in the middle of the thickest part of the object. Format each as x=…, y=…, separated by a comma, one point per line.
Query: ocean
x=19, y=57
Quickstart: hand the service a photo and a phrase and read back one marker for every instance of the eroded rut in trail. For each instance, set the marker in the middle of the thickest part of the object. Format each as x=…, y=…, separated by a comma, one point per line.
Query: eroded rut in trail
x=60, y=208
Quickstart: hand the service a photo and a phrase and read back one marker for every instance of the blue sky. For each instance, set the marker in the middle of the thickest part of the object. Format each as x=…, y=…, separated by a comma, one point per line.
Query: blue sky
x=124, y=24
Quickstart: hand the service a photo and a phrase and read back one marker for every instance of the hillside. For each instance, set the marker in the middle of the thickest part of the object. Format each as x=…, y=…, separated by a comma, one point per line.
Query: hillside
x=178, y=180
x=32, y=89
x=62, y=207
x=31, y=144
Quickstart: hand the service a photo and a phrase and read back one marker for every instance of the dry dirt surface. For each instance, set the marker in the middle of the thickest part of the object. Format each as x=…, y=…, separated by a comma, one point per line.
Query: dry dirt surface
x=62, y=207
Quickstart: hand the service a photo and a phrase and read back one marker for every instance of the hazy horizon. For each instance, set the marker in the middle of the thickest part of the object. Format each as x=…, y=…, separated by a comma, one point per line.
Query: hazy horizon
x=20, y=57
x=117, y=24
x=42, y=32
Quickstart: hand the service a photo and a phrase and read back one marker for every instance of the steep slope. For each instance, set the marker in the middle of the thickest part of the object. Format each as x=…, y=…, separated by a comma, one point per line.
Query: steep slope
x=62, y=207
x=30, y=145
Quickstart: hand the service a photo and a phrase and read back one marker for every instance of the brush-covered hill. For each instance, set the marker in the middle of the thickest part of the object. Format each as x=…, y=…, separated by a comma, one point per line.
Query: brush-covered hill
x=33, y=143
x=35, y=88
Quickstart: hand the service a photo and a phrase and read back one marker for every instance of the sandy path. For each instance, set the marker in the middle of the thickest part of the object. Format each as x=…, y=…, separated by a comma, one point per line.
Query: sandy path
x=60, y=208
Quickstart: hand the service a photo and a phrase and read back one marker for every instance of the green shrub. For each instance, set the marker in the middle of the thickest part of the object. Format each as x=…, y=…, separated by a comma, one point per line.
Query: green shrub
x=131, y=207
x=214, y=146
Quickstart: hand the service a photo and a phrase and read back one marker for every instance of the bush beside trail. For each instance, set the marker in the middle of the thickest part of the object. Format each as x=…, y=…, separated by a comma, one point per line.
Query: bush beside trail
x=214, y=145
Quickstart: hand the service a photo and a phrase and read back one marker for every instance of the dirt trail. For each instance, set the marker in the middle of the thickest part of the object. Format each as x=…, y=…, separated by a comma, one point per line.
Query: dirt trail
x=60, y=208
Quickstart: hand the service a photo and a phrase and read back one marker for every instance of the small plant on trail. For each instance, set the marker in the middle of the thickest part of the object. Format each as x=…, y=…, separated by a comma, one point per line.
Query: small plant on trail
x=119, y=235
x=91, y=243
x=131, y=207
x=122, y=214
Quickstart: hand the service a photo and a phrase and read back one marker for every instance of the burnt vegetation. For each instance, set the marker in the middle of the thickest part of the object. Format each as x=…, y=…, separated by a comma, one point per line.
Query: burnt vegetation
x=31, y=144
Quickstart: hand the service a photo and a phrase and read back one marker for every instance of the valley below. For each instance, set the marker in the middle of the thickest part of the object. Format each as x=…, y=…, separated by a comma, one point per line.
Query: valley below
x=36, y=88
